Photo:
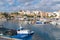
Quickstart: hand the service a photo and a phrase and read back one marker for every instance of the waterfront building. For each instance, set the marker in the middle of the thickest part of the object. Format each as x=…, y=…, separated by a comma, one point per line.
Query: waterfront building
x=36, y=13
x=45, y=14
x=57, y=14
x=13, y=14
x=21, y=12
x=50, y=15
x=27, y=12
x=2, y=16
x=42, y=14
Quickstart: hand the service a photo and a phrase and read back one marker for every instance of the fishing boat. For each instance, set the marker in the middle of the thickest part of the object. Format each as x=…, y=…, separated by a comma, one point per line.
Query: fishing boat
x=21, y=33
x=18, y=33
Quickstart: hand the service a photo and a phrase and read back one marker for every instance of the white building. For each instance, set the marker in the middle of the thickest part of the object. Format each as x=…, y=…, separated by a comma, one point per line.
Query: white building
x=36, y=12
x=27, y=12
x=49, y=14
x=57, y=13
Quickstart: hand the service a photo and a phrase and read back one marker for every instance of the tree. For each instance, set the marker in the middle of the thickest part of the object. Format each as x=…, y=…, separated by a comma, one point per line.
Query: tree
x=25, y=15
x=15, y=13
x=5, y=14
x=39, y=16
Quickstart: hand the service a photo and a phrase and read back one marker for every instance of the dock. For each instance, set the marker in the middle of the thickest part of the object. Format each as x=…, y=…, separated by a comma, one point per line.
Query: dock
x=8, y=38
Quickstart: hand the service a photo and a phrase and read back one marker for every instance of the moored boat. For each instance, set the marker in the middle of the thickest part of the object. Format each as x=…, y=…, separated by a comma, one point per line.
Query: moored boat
x=40, y=22
x=21, y=33
x=18, y=33
x=53, y=23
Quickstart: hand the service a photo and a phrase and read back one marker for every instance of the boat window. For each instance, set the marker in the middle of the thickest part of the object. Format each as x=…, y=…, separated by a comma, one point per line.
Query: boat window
x=18, y=29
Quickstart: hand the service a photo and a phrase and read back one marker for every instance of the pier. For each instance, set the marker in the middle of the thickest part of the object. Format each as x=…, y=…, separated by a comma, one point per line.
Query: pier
x=7, y=38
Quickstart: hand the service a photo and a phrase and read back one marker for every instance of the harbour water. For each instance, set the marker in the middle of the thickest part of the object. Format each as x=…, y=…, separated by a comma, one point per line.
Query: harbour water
x=41, y=32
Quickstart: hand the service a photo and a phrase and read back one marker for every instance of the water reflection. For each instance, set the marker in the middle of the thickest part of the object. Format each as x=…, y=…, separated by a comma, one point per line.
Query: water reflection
x=10, y=24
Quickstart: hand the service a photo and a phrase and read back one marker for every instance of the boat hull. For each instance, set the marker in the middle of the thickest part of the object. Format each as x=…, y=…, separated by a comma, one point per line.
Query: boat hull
x=19, y=36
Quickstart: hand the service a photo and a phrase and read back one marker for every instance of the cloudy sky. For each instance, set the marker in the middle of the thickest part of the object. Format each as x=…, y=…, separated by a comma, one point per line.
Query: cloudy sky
x=16, y=5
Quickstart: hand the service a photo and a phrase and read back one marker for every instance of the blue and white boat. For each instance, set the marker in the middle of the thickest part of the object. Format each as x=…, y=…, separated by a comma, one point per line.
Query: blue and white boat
x=22, y=33
x=19, y=33
x=39, y=22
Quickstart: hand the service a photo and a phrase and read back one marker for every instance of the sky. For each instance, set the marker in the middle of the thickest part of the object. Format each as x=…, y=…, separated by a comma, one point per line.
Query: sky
x=16, y=5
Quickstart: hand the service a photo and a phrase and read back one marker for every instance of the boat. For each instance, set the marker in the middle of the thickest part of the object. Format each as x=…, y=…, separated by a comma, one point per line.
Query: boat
x=58, y=23
x=40, y=22
x=53, y=23
x=1, y=34
x=22, y=33
x=18, y=33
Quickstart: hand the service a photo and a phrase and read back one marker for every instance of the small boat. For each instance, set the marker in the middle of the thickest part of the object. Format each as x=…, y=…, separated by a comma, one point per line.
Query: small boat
x=1, y=34
x=39, y=22
x=58, y=23
x=53, y=23
x=16, y=33
x=21, y=33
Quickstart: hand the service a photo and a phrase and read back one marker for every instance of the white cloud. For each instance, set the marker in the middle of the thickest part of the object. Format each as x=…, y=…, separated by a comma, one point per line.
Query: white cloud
x=10, y=2
x=23, y=1
x=56, y=7
x=1, y=3
x=27, y=3
x=45, y=5
x=55, y=0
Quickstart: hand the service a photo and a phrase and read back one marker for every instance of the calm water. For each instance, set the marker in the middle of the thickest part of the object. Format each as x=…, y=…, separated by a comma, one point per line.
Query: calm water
x=41, y=32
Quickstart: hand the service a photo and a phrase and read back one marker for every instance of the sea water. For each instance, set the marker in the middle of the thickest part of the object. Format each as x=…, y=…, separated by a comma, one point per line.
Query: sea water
x=41, y=32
